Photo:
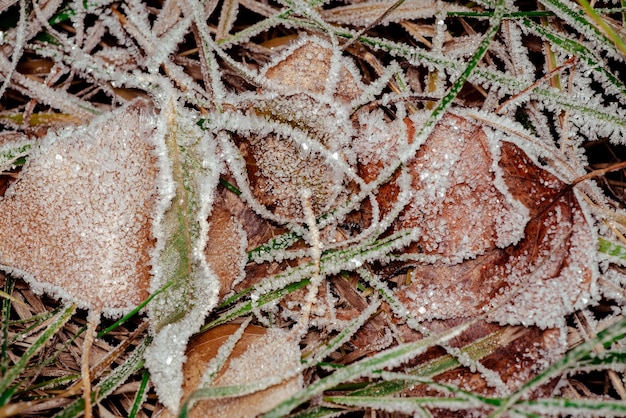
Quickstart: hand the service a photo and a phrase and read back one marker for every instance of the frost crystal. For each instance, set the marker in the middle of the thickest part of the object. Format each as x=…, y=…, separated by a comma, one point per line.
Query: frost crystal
x=77, y=222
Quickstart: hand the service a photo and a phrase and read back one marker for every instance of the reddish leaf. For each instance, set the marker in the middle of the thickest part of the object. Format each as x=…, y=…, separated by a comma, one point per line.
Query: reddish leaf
x=553, y=262
x=461, y=208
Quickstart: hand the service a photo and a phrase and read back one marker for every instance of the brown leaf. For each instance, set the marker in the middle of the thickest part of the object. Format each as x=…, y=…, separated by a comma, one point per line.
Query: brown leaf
x=278, y=167
x=553, y=262
x=306, y=68
x=458, y=204
x=77, y=222
x=226, y=247
x=258, y=355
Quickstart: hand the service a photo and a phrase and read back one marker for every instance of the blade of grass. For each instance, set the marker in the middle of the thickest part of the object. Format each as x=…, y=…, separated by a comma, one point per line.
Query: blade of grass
x=140, y=396
x=475, y=351
x=576, y=48
x=572, y=15
x=608, y=30
x=9, y=285
x=607, y=336
x=388, y=358
x=12, y=373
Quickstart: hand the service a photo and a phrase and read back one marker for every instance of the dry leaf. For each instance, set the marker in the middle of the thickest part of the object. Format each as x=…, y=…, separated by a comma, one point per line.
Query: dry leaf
x=257, y=356
x=553, y=261
x=226, y=247
x=464, y=210
x=279, y=165
x=306, y=67
x=77, y=222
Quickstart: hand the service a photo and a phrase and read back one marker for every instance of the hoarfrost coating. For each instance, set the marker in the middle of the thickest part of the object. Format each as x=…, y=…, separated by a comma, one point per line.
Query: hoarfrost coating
x=82, y=208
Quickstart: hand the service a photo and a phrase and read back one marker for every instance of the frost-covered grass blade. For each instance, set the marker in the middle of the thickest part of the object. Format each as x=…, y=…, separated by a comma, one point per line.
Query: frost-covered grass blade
x=56, y=323
x=388, y=358
x=178, y=312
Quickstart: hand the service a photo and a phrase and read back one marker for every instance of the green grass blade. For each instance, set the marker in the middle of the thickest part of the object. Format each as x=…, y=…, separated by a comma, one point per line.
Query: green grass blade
x=475, y=351
x=319, y=412
x=13, y=372
x=404, y=405
x=490, y=76
x=332, y=262
x=574, y=407
x=388, y=358
x=140, y=396
x=6, y=315
x=109, y=384
x=610, y=33
x=246, y=307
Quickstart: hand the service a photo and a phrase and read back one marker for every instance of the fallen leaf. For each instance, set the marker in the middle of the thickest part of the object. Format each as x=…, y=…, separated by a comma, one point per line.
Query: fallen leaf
x=310, y=149
x=553, y=260
x=458, y=201
x=260, y=354
x=307, y=66
x=76, y=223
x=226, y=248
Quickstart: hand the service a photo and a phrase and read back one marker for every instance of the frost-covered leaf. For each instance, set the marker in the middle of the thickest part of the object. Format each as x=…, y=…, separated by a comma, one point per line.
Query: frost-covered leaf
x=279, y=166
x=261, y=355
x=458, y=200
x=553, y=261
x=226, y=251
x=191, y=176
x=313, y=65
x=77, y=223
x=298, y=140
x=556, y=260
